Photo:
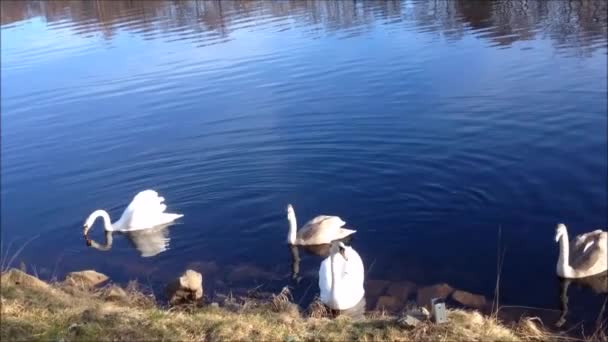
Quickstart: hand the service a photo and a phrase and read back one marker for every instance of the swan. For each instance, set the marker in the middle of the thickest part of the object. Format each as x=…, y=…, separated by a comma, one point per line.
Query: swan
x=320, y=230
x=146, y=210
x=341, y=278
x=588, y=255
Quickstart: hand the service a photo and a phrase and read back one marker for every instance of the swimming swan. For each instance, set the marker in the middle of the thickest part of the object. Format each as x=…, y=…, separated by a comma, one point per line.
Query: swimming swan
x=320, y=230
x=588, y=255
x=341, y=278
x=146, y=210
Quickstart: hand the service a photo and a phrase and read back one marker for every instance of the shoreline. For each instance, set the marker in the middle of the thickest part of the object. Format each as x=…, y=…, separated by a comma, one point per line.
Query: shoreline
x=93, y=308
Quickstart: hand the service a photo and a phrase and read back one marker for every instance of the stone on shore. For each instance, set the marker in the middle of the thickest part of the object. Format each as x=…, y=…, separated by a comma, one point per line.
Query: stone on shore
x=19, y=278
x=187, y=288
x=86, y=279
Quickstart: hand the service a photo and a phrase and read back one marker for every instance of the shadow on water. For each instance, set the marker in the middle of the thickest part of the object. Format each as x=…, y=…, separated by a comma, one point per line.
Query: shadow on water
x=598, y=284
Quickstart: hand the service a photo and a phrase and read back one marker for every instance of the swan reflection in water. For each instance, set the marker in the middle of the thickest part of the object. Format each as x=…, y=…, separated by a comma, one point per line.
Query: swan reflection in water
x=149, y=242
x=597, y=283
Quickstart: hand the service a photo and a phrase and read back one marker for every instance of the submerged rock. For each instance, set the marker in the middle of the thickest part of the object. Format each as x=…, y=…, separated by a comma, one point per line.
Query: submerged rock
x=187, y=288
x=469, y=299
x=204, y=267
x=401, y=290
x=389, y=303
x=376, y=288
x=250, y=272
x=86, y=279
x=425, y=294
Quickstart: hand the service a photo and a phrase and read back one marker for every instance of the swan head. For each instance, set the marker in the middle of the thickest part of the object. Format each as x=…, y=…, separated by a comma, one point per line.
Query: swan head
x=291, y=214
x=89, y=223
x=338, y=247
x=560, y=231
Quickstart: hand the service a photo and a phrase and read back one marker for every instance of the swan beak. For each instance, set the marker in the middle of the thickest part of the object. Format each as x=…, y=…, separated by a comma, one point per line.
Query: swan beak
x=85, y=230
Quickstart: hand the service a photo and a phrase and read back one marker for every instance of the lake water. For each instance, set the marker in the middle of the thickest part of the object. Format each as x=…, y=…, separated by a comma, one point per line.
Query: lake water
x=426, y=125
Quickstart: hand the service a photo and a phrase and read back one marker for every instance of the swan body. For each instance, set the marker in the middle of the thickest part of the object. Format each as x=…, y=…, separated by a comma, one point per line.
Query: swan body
x=587, y=256
x=146, y=210
x=341, y=277
x=322, y=229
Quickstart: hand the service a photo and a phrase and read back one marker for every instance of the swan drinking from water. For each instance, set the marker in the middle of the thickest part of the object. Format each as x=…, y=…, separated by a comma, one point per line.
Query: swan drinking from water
x=588, y=256
x=146, y=210
x=320, y=230
x=341, y=277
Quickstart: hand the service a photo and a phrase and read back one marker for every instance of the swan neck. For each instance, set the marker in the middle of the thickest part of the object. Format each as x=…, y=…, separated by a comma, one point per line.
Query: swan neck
x=107, y=223
x=334, y=279
x=291, y=236
x=563, y=262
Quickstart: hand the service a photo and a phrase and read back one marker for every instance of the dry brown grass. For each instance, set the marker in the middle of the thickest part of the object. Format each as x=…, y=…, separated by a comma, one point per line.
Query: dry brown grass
x=58, y=313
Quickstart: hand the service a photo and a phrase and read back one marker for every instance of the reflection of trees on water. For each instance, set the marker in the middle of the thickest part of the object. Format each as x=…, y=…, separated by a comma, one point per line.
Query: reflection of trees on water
x=569, y=23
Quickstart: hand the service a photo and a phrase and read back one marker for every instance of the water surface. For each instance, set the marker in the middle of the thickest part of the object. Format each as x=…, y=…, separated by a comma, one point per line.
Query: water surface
x=426, y=125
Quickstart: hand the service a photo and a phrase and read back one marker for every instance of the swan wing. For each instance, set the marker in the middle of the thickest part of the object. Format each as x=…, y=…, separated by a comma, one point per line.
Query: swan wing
x=321, y=229
x=582, y=242
x=146, y=210
x=593, y=253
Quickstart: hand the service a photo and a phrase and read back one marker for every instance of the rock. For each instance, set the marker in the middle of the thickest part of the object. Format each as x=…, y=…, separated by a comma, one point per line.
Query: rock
x=204, y=267
x=388, y=303
x=114, y=293
x=86, y=279
x=469, y=299
x=401, y=290
x=425, y=294
x=376, y=288
x=192, y=281
x=409, y=321
x=187, y=288
x=250, y=272
x=419, y=312
x=16, y=277
x=215, y=305
x=516, y=314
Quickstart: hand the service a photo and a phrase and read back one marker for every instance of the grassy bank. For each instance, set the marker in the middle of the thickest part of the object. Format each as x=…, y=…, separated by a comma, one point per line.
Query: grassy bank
x=35, y=310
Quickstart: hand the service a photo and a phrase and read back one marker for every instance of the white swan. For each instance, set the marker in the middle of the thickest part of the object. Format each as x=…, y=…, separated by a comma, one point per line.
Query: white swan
x=341, y=278
x=588, y=256
x=320, y=230
x=146, y=210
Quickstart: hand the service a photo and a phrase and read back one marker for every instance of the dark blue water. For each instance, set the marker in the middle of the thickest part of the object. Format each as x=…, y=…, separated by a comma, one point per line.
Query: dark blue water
x=426, y=125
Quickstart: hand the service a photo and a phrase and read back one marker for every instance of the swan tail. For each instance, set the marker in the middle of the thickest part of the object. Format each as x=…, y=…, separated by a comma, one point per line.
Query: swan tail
x=344, y=232
x=167, y=217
